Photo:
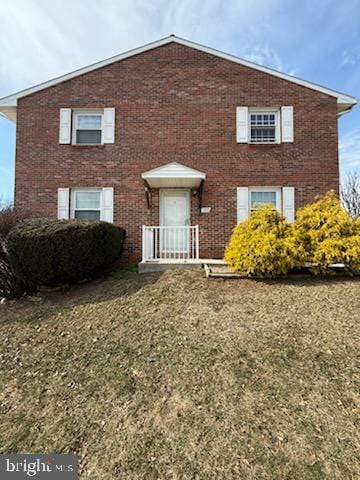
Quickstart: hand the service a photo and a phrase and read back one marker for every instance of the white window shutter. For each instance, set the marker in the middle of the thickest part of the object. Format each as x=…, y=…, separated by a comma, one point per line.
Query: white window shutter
x=242, y=203
x=65, y=126
x=287, y=124
x=107, y=207
x=288, y=202
x=109, y=125
x=242, y=124
x=63, y=203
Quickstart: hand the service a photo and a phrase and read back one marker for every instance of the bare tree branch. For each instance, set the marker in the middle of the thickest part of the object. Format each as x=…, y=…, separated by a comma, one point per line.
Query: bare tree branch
x=350, y=193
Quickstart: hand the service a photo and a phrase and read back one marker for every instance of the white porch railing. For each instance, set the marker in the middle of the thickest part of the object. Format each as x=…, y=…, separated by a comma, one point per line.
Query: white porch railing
x=170, y=243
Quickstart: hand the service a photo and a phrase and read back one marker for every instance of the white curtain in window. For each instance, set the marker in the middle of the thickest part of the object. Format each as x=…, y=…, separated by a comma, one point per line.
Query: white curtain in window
x=87, y=200
x=261, y=198
x=89, y=122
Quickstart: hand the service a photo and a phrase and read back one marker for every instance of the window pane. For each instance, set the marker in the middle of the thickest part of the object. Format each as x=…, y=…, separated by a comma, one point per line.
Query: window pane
x=87, y=122
x=263, y=134
x=262, y=119
x=263, y=127
x=87, y=200
x=88, y=136
x=87, y=215
x=262, y=198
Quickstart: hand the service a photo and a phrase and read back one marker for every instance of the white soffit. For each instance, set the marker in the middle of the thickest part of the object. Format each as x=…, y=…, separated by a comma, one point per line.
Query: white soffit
x=345, y=102
x=173, y=175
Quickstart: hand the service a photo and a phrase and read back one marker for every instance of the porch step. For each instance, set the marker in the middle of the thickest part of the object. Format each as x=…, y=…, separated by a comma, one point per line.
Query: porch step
x=220, y=271
x=162, y=264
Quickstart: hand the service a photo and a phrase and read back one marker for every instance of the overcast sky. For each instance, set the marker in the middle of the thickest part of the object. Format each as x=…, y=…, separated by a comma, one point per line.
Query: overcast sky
x=315, y=40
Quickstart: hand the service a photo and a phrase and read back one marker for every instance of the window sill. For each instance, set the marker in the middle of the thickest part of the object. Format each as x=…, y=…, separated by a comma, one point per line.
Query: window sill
x=264, y=144
x=87, y=145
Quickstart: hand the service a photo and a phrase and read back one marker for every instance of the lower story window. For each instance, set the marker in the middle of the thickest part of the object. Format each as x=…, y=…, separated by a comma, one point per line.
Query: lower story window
x=86, y=204
x=250, y=199
x=266, y=196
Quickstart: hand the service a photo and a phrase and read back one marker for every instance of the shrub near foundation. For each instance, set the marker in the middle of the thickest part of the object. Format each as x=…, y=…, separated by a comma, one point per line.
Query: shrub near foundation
x=328, y=235
x=263, y=245
x=50, y=252
x=10, y=285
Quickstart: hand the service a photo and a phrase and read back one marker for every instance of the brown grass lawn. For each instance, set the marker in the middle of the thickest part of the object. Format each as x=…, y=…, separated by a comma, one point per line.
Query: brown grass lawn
x=173, y=376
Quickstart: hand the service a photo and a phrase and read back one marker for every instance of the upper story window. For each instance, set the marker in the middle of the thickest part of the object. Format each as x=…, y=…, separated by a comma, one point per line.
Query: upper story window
x=263, y=127
x=88, y=128
x=86, y=204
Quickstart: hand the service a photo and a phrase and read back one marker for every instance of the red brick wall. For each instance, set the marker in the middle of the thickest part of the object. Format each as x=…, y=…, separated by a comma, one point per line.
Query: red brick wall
x=174, y=104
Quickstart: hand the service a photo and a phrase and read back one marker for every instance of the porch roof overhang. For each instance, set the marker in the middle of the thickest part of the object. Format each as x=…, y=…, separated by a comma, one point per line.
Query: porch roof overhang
x=173, y=175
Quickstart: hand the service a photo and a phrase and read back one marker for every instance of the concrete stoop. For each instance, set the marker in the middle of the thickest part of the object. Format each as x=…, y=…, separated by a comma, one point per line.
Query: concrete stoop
x=162, y=265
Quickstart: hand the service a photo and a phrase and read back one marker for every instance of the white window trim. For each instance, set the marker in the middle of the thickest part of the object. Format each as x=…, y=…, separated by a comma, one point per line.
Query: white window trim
x=72, y=201
x=277, y=190
x=266, y=110
x=87, y=113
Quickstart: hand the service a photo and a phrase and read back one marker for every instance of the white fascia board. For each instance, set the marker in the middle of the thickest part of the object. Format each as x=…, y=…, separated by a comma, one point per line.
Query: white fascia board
x=11, y=100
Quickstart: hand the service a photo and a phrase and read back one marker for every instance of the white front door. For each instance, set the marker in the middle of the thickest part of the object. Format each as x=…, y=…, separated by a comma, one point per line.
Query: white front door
x=175, y=218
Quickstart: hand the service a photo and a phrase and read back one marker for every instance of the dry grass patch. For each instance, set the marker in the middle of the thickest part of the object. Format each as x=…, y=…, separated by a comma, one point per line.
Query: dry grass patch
x=172, y=376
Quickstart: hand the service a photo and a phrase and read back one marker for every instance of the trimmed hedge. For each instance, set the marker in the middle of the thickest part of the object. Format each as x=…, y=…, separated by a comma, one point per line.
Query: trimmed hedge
x=51, y=252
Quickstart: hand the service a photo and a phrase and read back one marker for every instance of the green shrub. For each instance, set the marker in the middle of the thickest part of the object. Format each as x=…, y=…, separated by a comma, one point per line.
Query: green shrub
x=328, y=234
x=263, y=245
x=50, y=252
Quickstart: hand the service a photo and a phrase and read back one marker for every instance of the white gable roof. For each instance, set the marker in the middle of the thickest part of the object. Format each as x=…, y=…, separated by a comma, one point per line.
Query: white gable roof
x=7, y=104
x=173, y=175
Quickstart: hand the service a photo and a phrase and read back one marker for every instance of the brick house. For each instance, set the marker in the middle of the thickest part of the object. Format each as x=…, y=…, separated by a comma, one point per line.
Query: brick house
x=175, y=142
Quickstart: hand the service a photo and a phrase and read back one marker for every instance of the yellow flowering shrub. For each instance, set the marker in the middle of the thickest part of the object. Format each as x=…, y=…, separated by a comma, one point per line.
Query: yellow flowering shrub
x=263, y=245
x=328, y=234
x=352, y=255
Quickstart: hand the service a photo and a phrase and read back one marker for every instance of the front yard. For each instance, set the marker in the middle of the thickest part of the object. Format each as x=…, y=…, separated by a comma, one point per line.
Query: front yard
x=173, y=376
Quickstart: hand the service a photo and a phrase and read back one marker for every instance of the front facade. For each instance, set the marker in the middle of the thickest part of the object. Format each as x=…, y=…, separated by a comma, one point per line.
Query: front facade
x=175, y=143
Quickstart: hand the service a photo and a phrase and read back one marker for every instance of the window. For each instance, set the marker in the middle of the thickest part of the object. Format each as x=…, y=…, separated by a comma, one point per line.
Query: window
x=264, y=196
x=263, y=127
x=86, y=204
x=88, y=128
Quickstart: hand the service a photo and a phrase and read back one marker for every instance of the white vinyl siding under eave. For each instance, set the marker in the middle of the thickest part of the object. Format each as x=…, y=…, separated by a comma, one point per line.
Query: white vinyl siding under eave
x=173, y=175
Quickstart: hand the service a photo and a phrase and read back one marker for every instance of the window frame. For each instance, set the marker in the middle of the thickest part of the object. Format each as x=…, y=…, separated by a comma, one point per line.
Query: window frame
x=74, y=191
x=87, y=113
x=277, y=190
x=265, y=111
